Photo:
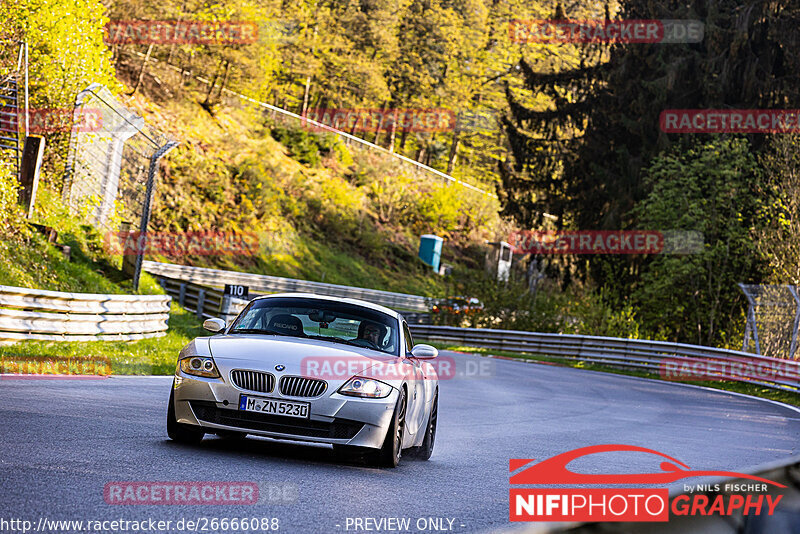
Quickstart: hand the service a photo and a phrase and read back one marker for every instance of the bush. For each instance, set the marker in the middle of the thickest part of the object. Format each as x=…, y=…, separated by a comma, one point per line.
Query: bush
x=8, y=194
x=310, y=148
x=510, y=305
x=713, y=187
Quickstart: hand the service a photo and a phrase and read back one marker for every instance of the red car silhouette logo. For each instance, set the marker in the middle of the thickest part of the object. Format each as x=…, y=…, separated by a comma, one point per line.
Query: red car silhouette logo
x=554, y=470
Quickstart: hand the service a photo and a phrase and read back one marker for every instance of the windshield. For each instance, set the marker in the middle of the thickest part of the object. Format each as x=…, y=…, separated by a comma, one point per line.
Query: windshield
x=332, y=321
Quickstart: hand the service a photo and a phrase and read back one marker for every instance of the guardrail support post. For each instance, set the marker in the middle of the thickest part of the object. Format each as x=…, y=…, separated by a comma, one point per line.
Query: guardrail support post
x=182, y=294
x=148, y=201
x=795, y=323
x=201, y=301
x=225, y=307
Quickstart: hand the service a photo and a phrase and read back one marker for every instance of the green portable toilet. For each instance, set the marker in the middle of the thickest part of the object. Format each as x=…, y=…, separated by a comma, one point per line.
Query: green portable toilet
x=430, y=250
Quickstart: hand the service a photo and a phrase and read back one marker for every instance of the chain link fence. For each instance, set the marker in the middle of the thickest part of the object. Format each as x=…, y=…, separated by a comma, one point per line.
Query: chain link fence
x=773, y=316
x=111, y=168
x=13, y=104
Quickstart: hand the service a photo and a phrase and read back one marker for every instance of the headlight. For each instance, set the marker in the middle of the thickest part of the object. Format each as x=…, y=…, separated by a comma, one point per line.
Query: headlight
x=365, y=387
x=199, y=366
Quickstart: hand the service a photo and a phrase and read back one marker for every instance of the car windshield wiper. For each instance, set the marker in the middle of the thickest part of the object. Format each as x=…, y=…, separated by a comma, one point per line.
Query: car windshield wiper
x=259, y=331
x=345, y=342
x=337, y=340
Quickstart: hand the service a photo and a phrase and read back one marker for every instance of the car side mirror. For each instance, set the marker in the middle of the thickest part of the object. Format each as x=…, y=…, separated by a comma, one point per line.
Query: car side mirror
x=424, y=352
x=214, y=325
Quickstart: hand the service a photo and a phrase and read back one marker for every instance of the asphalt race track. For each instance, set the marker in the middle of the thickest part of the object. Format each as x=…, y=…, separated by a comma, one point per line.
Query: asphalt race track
x=63, y=440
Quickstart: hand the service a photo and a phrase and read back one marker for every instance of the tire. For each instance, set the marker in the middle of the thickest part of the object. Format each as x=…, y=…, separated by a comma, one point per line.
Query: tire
x=389, y=454
x=180, y=432
x=424, y=451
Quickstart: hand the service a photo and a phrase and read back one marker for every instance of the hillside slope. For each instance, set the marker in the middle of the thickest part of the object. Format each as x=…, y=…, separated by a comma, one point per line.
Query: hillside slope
x=318, y=209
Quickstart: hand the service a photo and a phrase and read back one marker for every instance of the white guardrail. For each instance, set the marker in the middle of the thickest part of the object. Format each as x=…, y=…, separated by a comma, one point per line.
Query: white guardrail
x=275, y=284
x=637, y=354
x=205, y=302
x=36, y=314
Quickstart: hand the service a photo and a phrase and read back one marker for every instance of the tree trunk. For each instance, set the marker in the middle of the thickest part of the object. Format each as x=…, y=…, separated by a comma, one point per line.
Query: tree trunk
x=177, y=27
x=224, y=80
x=451, y=159
x=377, y=138
x=304, y=109
x=213, y=84
x=186, y=68
x=141, y=71
x=392, y=132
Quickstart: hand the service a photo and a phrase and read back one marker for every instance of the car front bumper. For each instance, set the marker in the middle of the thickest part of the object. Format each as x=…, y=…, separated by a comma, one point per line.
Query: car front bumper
x=334, y=418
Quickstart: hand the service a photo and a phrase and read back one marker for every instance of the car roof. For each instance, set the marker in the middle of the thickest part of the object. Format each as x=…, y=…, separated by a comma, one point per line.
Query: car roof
x=357, y=302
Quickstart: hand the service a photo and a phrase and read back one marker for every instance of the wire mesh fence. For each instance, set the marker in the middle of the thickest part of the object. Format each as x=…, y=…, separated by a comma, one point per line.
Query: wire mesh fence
x=329, y=123
x=13, y=103
x=109, y=157
x=773, y=316
x=111, y=167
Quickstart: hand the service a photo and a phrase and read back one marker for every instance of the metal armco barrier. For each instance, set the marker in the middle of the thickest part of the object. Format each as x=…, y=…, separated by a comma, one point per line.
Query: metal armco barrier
x=205, y=302
x=276, y=284
x=417, y=318
x=636, y=354
x=208, y=302
x=35, y=314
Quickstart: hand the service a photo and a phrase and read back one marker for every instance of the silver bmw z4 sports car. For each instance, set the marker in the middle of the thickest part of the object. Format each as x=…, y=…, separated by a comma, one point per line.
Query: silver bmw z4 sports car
x=310, y=368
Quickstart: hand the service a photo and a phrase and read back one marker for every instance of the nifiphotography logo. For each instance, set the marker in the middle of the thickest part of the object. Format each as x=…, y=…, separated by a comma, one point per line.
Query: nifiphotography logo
x=629, y=504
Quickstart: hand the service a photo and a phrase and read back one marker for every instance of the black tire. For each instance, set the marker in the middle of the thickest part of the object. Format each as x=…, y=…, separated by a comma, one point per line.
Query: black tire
x=424, y=451
x=180, y=432
x=389, y=454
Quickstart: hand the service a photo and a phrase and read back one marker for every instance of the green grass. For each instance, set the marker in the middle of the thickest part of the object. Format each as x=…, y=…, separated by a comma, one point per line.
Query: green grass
x=320, y=262
x=27, y=259
x=738, y=387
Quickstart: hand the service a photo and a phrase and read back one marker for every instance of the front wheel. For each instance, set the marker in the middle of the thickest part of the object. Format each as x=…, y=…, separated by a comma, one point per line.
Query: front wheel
x=389, y=454
x=424, y=451
x=180, y=432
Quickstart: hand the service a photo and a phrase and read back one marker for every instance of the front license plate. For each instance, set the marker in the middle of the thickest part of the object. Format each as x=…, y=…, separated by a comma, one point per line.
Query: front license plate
x=273, y=406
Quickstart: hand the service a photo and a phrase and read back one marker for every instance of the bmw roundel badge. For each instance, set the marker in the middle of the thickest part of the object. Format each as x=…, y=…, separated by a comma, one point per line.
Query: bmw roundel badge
x=280, y=367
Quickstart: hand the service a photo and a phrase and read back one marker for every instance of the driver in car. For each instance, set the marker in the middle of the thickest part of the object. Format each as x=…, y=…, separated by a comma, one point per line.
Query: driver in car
x=371, y=332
